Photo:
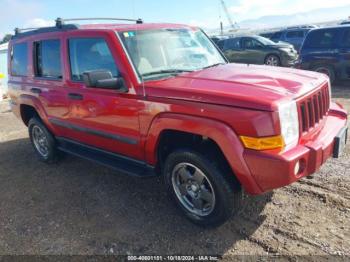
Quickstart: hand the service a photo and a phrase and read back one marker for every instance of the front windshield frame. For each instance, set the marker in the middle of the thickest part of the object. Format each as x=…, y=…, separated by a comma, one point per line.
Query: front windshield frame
x=140, y=77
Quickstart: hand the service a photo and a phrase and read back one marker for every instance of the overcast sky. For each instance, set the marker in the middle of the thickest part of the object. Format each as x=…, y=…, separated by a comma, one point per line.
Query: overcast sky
x=204, y=13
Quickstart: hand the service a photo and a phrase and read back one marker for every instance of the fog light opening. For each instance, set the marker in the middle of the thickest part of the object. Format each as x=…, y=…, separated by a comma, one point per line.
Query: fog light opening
x=299, y=167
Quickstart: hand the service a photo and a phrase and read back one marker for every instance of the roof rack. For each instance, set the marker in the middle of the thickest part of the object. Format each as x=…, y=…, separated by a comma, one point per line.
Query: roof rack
x=61, y=25
x=59, y=21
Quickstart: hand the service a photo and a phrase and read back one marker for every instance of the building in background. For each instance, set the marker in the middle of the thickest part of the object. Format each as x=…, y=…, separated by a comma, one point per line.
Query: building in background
x=3, y=70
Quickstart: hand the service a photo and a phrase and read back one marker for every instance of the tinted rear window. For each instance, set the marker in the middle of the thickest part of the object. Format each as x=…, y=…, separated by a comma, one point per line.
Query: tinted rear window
x=295, y=34
x=48, y=59
x=19, y=59
x=232, y=43
x=276, y=35
x=321, y=38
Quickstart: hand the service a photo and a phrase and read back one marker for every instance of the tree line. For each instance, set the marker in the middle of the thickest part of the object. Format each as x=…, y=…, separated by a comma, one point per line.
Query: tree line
x=5, y=39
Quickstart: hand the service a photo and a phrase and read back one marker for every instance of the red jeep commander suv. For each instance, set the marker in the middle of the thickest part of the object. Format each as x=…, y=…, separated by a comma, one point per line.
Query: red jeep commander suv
x=161, y=99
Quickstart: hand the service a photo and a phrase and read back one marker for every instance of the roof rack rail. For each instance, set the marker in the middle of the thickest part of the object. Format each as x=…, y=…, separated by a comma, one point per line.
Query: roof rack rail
x=61, y=25
x=60, y=21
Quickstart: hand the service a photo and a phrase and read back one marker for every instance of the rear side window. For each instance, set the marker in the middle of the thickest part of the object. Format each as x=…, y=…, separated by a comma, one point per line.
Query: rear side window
x=232, y=43
x=86, y=54
x=346, y=38
x=220, y=44
x=48, y=59
x=19, y=59
x=321, y=38
x=295, y=34
x=276, y=35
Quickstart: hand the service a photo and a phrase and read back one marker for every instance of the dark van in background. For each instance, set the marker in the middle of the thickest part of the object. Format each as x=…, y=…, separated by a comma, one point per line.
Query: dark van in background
x=294, y=36
x=327, y=50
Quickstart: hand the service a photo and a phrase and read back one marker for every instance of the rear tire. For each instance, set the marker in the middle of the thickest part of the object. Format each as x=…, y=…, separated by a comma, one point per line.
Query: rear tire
x=43, y=141
x=327, y=70
x=200, y=188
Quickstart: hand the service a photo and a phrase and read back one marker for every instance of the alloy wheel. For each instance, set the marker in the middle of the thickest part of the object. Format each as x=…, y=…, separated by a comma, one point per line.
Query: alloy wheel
x=193, y=189
x=40, y=141
x=272, y=61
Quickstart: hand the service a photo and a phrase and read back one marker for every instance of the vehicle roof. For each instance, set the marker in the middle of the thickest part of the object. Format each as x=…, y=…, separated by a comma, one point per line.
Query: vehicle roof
x=331, y=27
x=243, y=36
x=144, y=26
x=114, y=27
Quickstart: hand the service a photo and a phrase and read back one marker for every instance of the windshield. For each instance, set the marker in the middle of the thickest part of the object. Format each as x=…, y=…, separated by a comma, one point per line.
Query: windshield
x=158, y=53
x=265, y=40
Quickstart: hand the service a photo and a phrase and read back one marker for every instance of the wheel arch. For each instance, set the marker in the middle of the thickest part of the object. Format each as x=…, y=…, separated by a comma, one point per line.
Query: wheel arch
x=217, y=134
x=317, y=64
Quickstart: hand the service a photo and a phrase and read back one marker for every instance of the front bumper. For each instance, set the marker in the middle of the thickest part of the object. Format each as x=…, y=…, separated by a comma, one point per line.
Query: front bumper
x=289, y=60
x=271, y=170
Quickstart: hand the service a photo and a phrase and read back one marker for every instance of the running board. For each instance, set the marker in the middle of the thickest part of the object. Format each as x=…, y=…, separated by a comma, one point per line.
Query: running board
x=114, y=161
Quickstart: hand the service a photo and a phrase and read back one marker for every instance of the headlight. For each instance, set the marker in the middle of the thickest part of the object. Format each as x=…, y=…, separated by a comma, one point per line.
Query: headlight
x=288, y=115
x=286, y=50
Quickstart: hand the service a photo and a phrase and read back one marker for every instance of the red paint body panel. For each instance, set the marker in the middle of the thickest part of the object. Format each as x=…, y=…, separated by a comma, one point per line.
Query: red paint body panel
x=272, y=171
x=221, y=103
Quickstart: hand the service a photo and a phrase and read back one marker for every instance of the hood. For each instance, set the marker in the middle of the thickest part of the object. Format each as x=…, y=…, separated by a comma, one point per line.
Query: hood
x=249, y=86
x=281, y=45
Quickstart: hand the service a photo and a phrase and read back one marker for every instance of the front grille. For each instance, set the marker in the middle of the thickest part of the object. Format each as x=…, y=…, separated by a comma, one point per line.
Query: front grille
x=313, y=108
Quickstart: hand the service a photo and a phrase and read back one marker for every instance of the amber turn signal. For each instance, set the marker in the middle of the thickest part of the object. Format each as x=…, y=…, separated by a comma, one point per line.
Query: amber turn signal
x=262, y=143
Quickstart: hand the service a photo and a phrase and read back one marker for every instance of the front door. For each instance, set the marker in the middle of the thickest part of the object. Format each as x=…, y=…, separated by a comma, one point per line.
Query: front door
x=102, y=118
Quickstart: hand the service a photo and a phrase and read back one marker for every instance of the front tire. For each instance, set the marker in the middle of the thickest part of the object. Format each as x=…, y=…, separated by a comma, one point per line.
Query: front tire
x=200, y=188
x=43, y=141
x=272, y=60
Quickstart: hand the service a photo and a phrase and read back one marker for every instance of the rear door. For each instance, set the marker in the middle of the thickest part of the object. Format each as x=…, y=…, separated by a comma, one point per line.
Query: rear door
x=344, y=54
x=102, y=118
x=47, y=82
x=233, y=50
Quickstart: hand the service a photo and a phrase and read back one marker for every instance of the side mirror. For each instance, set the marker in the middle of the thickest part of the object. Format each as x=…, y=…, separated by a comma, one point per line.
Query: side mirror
x=104, y=79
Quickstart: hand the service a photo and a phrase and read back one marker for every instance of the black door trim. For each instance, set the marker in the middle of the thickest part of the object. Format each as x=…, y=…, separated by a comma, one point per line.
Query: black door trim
x=94, y=132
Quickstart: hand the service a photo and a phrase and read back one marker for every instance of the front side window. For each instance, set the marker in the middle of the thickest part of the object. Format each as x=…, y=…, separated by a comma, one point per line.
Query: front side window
x=48, y=59
x=87, y=54
x=251, y=43
x=19, y=59
x=156, y=53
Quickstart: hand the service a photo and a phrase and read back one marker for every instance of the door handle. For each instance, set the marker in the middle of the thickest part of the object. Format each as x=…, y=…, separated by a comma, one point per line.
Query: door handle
x=75, y=96
x=35, y=90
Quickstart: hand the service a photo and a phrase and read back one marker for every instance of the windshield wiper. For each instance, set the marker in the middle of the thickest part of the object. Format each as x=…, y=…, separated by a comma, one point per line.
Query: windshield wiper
x=214, y=65
x=166, y=71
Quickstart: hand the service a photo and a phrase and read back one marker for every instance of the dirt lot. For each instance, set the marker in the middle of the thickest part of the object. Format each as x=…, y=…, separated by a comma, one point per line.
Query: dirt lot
x=78, y=207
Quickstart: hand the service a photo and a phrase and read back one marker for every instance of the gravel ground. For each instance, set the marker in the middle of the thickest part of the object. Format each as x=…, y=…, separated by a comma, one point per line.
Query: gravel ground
x=78, y=207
